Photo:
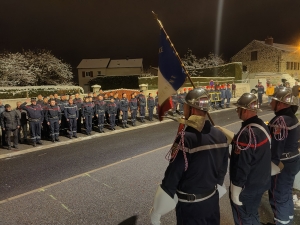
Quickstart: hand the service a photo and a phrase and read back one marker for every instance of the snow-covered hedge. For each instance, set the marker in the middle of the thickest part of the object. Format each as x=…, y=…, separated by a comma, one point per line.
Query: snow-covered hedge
x=33, y=91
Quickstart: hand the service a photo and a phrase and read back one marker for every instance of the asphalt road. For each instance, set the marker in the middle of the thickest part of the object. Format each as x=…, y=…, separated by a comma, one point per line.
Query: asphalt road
x=102, y=180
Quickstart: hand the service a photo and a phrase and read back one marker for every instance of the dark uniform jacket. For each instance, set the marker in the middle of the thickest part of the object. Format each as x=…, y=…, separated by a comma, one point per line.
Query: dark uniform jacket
x=251, y=168
x=228, y=93
x=290, y=143
x=207, y=155
x=124, y=104
x=133, y=104
x=34, y=112
x=260, y=89
x=156, y=101
x=150, y=102
x=78, y=102
x=100, y=107
x=181, y=98
x=52, y=113
x=40, y=102
x=87, y=109
x=112, y=108
x=10, y=120
x=71, y=111
x=141, y=100
x=117, y=102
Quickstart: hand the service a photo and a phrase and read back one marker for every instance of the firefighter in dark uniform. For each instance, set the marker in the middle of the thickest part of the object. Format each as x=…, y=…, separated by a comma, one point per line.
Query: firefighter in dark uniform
x=180, y=97
x=133, y=105
x=250, y=163
x=78, y=101
x=35, y=117
x=107, y=101
x=71, y=114
x=156, y=103
x=228, y=95
x=64, y=124
x=45, y=128
x=112, y=112
x=198, y=164
x=23, y=123
x=222, y=96
x=260, y=92
x=117, y=102
x=174, y=102
x=124, y=105
x=150, y=106
x=142, y=104
x=87, y=114
x=53, y=119
x=285, y=134
x=100, y=108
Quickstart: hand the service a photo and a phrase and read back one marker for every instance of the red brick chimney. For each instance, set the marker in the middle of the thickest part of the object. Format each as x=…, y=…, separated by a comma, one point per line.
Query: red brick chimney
x=269, y=41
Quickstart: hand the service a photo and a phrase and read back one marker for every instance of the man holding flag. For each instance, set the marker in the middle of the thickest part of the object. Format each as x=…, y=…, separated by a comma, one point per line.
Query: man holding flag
x=196, y=156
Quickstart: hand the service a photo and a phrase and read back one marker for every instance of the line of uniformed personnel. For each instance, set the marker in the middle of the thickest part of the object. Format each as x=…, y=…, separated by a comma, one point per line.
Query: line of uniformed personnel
x=49, y=117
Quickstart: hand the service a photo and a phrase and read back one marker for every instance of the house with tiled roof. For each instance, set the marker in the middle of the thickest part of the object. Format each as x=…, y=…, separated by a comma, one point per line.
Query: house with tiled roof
x=267, y=56
x=89, y=69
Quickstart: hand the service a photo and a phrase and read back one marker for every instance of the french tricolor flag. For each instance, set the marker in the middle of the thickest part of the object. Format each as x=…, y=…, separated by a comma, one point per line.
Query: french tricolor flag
x=171, y=75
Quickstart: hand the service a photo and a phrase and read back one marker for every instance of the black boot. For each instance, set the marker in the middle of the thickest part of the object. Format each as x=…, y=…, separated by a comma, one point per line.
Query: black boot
x=126, y=125
x=34, y=144
x=123, y=126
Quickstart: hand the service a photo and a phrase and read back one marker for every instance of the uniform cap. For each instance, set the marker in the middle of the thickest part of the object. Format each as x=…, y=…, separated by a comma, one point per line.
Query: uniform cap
x=198, y=98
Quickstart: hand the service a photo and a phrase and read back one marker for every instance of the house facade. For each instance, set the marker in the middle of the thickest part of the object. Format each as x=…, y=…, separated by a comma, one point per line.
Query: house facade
x=89, y=69
x=267, y=56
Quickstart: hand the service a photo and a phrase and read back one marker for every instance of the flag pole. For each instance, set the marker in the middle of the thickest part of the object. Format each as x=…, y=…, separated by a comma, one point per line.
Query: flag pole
x=178, y=57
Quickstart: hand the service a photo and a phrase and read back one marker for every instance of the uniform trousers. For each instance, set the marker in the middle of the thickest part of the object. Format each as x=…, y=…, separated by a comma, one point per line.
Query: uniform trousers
x=142, y=112
x=150, y=111
x=54, y=128
x=227, y=102
x=180, y=108
x=101, y=118
x=247, y=214
x=79, y=121
x=88, y=123
x=13, y=132
x=133, y=116
x=112, y=118
x=35, y=130
x=259, y=98
x=73, y=126
x=206, y=212
x=63, y=124
x=124, y=116
x=280, y=194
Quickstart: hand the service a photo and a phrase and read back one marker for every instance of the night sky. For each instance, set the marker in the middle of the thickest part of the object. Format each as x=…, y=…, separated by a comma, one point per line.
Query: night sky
x=76, y=29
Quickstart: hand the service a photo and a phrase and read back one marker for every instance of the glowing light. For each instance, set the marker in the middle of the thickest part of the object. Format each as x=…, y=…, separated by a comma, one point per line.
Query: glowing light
x=218, y=27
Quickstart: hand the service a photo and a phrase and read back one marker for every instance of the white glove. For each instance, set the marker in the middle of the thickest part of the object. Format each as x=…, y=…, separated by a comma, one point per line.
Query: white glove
x=274, y=169
x=229, y=134
x=222, y=190
x=162, y=204
x=235, y=194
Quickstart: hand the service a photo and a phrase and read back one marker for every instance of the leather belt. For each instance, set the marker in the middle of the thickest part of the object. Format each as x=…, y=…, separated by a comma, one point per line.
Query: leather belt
x=194, y=197
x=289, y=155
x=34, y=120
